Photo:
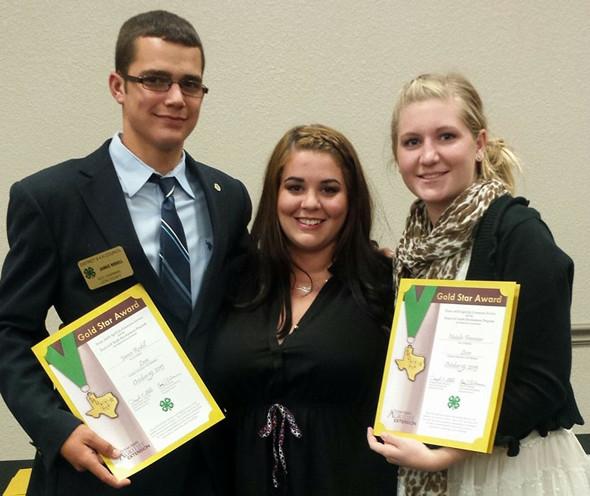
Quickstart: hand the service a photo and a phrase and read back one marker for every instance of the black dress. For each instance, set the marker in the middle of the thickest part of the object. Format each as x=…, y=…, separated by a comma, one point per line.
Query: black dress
x=323, y=381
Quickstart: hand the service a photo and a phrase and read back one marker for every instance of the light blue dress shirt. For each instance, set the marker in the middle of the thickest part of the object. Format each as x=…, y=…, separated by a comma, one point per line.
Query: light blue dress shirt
x=144, y=201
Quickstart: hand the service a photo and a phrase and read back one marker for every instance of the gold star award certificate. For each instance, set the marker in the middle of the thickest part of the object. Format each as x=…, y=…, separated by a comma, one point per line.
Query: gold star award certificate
x=120, y=370
x=447, y=362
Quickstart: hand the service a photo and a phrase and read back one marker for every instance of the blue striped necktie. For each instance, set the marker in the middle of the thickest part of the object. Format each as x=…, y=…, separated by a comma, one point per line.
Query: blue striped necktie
x=175, y=268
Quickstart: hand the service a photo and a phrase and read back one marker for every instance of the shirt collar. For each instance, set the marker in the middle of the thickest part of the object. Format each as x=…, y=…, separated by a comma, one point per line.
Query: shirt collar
x=134, y=172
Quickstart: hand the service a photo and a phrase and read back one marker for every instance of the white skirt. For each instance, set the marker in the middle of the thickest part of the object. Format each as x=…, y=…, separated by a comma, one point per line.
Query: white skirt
x=545, y=466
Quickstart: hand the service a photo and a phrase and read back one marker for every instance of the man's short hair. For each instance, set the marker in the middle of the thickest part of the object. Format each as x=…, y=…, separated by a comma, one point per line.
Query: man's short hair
x=157, y=24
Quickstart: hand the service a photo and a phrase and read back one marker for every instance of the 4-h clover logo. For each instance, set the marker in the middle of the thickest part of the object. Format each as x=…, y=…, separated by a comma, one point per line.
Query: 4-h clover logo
x=89, y=273
x=454, y=402
x=166, y=404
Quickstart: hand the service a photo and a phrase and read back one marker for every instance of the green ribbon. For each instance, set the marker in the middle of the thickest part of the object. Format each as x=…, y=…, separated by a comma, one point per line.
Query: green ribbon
x=416, y=308
x=69, y=364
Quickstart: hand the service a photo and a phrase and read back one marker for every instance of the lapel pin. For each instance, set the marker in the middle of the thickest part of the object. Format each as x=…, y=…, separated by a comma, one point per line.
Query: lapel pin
x=217, y=186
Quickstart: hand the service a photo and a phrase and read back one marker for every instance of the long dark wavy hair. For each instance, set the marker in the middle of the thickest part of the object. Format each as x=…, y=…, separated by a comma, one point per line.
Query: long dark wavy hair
x=357, y=261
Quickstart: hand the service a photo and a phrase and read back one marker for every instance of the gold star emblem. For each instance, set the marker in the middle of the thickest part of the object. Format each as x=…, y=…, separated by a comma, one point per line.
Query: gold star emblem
x=102, y=405
x=412, y=364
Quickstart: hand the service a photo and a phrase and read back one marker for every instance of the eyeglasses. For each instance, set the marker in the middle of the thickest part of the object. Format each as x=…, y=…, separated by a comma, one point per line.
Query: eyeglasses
x=161, y=83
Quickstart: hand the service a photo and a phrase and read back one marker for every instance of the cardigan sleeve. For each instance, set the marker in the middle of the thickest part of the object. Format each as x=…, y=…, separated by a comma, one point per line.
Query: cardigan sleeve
x=538, y=395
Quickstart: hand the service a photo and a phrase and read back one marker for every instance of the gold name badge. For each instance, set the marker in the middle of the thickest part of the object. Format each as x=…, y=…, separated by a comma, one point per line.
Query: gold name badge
x=105, y=267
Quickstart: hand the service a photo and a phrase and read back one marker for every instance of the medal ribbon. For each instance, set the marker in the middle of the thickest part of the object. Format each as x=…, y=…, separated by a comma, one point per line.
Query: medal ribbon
x=416, y=308
x=68, y=363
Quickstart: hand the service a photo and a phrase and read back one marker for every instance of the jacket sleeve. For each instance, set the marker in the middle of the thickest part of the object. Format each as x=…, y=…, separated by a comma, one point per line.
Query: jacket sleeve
x=30, y=276
x=242, y=246
x=538, y=393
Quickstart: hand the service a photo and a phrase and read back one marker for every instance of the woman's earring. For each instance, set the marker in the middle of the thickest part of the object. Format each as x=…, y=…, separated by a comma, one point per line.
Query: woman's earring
x=479, y=156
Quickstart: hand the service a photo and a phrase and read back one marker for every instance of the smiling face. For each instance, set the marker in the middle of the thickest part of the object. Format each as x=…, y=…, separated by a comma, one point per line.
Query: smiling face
x=312, y=202
x=156, y=124
x=436, y=153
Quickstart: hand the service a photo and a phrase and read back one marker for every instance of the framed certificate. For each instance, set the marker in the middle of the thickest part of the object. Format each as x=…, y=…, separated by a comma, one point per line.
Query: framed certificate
x=121, y=371
x=447, y=362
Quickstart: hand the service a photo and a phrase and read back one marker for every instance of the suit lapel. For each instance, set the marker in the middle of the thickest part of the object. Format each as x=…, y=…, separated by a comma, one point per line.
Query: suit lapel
x=101, y=191
x=213, y=191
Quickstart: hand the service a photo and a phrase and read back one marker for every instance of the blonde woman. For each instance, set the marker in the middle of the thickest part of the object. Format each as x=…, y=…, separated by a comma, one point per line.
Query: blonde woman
x=465, y=224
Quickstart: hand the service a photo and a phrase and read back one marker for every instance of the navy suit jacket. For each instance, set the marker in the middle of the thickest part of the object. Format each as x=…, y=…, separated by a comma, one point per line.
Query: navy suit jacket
x=57, y=217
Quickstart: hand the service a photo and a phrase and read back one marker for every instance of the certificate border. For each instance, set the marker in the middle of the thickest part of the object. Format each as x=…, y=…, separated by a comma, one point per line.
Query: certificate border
x=137, y=292
x=485, y=444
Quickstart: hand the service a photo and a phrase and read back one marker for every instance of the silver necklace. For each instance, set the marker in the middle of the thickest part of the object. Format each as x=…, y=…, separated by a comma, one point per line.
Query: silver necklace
x=306, y=289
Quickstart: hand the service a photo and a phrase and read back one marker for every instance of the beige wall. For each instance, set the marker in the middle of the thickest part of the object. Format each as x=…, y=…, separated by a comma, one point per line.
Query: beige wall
x=274, y=64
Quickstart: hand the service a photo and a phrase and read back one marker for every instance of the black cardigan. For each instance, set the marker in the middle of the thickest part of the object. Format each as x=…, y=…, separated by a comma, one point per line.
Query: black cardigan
x=512, y=243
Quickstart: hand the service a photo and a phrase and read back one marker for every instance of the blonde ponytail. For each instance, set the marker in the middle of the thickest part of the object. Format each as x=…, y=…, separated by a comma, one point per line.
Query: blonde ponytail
x=500, y=162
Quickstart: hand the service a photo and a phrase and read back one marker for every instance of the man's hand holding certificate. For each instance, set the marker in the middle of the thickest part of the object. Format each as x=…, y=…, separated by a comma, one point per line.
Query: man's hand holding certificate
x=122, y=372
x=447, y=362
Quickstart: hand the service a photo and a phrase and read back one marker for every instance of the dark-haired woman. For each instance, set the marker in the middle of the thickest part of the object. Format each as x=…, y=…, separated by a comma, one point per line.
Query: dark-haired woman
x=298, y=358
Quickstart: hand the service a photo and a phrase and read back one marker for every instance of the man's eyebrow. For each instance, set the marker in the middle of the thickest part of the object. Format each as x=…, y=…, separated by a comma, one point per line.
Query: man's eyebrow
x=154, y=72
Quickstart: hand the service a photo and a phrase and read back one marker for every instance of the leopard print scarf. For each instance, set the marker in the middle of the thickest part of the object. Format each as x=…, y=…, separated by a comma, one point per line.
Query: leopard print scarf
x=437, y=252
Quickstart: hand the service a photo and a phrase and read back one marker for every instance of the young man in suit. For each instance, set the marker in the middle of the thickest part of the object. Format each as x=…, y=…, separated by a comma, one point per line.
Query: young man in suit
x=86, y=207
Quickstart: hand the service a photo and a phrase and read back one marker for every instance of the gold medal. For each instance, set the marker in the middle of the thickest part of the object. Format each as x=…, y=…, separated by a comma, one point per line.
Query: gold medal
x=64, y=356
x=415, y=310
x=412, y=364
x=102, y=405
